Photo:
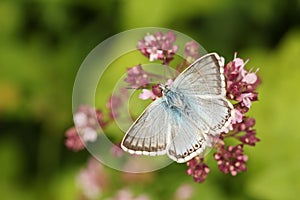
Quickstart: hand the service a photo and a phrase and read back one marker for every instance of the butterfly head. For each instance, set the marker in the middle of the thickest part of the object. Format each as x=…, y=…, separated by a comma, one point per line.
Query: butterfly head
x=164, y=88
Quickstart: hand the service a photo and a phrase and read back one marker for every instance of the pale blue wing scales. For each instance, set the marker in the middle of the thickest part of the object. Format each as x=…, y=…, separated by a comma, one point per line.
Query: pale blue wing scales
x=186, y=139
x=215, y=113
x=203, y=86
x=149, y=133
x=203, y=77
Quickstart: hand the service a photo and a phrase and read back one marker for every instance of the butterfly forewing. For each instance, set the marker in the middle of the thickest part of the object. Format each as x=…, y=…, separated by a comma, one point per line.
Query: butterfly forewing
x=149, y=133
x=203, y=77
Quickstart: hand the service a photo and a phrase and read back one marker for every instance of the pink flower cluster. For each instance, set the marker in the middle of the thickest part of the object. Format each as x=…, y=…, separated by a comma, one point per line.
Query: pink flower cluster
x=158, y=46
x=191, y=51
x=92, y=179
x=249, y=133
x=231, y=159
x=241, y=84
x=137, y=77
x=87, y=121
x=114, y=104
x=241, y=88
x=197, y=169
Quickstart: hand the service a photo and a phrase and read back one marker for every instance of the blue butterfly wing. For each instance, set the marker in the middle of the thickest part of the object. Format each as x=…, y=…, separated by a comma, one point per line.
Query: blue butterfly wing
x=187, y=140
x=203, y=86
x=204, y=77
x=149, y=133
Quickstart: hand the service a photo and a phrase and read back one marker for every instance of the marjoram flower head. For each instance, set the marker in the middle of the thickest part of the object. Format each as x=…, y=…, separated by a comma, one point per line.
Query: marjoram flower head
x=137, y=77
x=158, y=46
x=87, y=121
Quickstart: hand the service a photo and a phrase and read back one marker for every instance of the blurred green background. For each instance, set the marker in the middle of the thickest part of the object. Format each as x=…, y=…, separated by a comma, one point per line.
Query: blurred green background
x=43, y=43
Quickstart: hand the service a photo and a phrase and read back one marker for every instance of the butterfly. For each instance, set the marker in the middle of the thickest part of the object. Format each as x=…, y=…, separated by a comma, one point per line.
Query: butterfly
x=190, y=113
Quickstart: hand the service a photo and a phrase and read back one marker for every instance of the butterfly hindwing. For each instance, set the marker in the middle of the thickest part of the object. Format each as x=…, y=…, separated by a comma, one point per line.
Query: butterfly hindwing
x=216, y=113
x=186, y=140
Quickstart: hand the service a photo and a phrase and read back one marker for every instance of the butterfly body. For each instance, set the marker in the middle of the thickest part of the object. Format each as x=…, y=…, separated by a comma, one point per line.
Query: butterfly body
x=190, y=113
x=173, y=99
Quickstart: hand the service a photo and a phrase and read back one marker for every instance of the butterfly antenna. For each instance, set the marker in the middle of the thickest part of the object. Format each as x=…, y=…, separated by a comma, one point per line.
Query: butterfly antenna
x=130, y=88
